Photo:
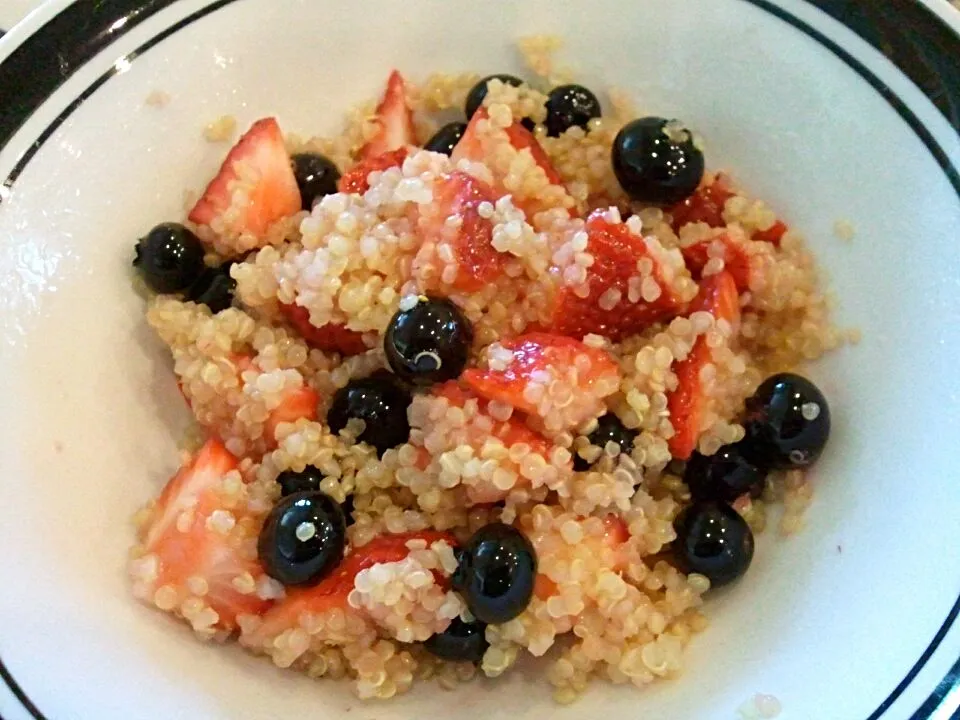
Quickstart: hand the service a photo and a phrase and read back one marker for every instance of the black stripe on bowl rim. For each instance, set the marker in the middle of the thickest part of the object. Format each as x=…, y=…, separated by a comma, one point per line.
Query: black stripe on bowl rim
x=911, y=35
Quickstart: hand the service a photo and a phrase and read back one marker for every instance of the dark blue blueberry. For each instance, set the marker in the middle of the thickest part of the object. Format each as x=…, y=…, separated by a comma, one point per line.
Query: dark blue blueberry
x=381, y=402
x=170, y=258
x=214, y=288
x=724, y=476
x=569, y=106
x=496, y=574
x=302, y=539
x=429, y=343
x=306, y=481
x=446, y=138
x=461, y=642
x=609, y=428
x=655, y=164
x=787, y=423
x=317, y=177
x=713, y=540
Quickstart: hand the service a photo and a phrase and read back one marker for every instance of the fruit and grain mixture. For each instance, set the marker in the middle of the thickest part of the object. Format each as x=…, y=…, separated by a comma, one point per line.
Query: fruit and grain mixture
x=523, y=383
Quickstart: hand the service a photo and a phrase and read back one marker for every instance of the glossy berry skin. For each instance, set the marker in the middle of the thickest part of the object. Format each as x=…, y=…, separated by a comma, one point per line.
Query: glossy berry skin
x=429, y=343
x=461, y=642
x=713, y=540
x=303, y=539
x=724, y=476
x=214, y=288
x=294, y=482
x=446, y=138
x=569, y=106
x=169, y=258
x=496, y=574
x=787, y=423
x=609, y=428
x=381, y=402
x=317, y=177
x=653, y=164
x=479, y=91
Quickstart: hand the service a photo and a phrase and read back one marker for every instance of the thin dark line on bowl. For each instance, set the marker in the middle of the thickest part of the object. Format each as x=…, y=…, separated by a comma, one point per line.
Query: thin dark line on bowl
x=19, y=693
x=136, y=12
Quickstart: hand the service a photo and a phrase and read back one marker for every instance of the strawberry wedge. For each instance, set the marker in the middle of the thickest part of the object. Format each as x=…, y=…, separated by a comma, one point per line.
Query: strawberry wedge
x=632, y=283
x=559, y=379
x=394, y=121
x=329, y=338
x=475, y=262
x=687, y=404
x=254, y=189
x=736, y=260
x=483, y=142
x=197, y=557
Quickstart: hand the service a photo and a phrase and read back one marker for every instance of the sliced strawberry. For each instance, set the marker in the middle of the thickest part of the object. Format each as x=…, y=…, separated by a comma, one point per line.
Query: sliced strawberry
x=736, y=259
x=329, y=338
x=355, y=179
x=473, y=147
x=616, y=251
x=510, y=432
x=773, y=235
x=395, y=121
x=296, y=405
x=458, y=195
x=705, y=205
x=558, y=378
x=333, y=591
x=687, y=404
x=255, y=184
x=188, y=549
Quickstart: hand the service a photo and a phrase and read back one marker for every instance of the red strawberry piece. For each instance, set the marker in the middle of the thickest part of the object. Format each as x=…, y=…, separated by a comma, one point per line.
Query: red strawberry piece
x=705, y=205
x=332, y=592
x=616, y=251
x=458, y=195
x=773, y=235
x=329, y=338
x=258, y=163
x=355, y=179
x=472, y=147
x=558, y=378
x=296, y=405
x=736, y=259
x=687, y=404
x=395, y=121
x=188, y=550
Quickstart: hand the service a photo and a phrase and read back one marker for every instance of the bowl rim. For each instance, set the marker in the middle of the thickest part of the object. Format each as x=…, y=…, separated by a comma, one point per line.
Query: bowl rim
x=80, y=29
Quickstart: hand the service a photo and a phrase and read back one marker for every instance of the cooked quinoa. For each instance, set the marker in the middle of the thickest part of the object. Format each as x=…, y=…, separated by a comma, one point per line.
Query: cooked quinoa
x=354, y=261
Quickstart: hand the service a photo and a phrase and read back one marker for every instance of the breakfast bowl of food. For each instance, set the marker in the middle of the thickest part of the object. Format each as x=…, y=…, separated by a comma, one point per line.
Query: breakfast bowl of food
x=534, y=360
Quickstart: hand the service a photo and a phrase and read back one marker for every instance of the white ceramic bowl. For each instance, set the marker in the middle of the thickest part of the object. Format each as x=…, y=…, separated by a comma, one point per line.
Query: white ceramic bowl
x=853, y=619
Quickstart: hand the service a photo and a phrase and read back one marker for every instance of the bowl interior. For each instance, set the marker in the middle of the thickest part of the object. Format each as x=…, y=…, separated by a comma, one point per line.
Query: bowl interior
x=92, y=415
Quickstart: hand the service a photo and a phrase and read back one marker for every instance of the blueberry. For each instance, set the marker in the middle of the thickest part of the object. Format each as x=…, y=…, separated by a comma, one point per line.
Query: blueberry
x=302, y=539
x=461, y=642
x=787, y=423
x=446, y=138
x=170, y=258
x=214, y=288
x=609, y=429
x=381, y=402
x=656, y=161
x=317, y=177
x=306, y=481
x=569, y=106
x=713, y=540
x=724, y=476
x=429, y=343
x=496, y=573
x=479, y=91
